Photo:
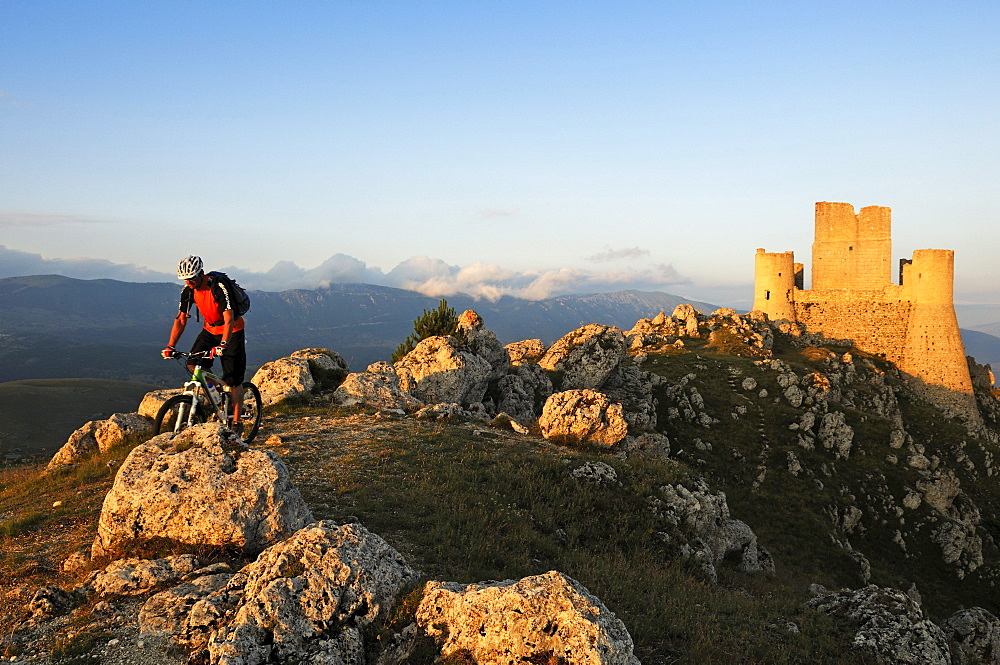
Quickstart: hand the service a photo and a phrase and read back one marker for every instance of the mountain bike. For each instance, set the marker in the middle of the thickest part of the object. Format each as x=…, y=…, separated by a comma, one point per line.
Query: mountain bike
x=206, y=398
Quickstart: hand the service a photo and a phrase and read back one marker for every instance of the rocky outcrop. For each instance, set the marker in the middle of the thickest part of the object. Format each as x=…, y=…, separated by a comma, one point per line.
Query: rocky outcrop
x=439, y=369
x=586, y=357
x=101, y=435
x=890, y=625
x=525, y=351
x=201, y=487
x=697, y=521
x=583, y=416
x=305, y=599
x=974, y=637
x=282, y=379
x=543, y=618
x=127, y=577
x=152, y=401
x=328, y=368
x=377, y=386
x=482, y=342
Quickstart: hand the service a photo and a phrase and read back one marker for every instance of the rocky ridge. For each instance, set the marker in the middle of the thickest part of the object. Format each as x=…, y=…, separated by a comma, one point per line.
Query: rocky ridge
x=470, y=377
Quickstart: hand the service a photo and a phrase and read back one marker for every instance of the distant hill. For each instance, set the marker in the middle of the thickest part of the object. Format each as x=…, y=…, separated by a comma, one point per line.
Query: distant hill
x=37, y=416
x=985, y=348
x=53, y=326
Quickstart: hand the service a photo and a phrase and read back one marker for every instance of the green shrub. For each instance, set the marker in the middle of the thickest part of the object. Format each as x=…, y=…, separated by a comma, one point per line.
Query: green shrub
x=441, y=320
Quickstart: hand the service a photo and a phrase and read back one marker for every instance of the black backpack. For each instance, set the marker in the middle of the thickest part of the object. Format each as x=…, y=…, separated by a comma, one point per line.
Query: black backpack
x=240, y=300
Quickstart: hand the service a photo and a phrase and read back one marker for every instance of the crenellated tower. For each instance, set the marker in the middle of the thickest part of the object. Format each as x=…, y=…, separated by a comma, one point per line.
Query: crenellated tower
x=911, y=324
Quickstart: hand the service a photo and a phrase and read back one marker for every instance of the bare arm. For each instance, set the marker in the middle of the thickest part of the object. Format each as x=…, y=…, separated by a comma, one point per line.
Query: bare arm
x=180, y=322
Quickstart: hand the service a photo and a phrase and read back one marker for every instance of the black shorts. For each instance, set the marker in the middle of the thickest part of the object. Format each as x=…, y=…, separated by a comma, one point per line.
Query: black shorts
x=234, y=359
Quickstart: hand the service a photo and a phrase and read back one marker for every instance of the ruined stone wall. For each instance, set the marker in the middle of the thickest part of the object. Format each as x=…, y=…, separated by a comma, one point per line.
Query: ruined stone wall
x=875, y=321
x=852, y=251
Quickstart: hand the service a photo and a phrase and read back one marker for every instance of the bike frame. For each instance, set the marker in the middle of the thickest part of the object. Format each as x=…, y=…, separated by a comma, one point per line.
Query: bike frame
x=198, y=388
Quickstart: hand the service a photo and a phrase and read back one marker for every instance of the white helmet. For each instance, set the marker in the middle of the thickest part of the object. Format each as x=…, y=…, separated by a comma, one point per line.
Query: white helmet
x=189, y=267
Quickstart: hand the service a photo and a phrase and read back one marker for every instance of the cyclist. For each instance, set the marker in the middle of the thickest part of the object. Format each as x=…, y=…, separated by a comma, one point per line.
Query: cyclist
x=222, y=333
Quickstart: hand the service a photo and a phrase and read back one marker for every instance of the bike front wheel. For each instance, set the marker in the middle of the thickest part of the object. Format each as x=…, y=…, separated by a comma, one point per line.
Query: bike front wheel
x=250, y=411
x=177, y=413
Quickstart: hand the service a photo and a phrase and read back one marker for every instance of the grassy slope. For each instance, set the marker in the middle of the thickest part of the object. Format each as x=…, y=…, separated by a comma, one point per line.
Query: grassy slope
x=37, y=416
x=467, y=504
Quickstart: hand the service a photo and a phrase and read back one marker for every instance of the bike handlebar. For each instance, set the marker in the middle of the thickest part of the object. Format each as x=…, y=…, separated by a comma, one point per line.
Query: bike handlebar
x=182, y=354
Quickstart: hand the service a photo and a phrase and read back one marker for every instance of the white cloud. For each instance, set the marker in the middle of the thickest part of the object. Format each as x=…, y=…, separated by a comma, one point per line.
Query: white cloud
x=30, y=219
x=423, y=274
x=615, y=254
x=15, y=263
x=493, y=212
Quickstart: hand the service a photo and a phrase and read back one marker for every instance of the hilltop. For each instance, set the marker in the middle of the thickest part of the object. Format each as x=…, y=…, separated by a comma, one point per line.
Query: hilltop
x=844, y=477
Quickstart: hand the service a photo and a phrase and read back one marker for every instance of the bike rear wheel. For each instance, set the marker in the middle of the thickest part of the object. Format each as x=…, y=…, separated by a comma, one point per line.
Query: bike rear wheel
x=250, y=411
x=176, y=414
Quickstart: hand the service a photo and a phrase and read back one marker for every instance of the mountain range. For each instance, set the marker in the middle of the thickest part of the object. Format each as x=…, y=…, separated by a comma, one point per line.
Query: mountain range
x=57, y=327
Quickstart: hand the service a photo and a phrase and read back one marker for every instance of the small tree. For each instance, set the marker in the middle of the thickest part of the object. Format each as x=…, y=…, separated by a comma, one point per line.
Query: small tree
x=441, y=320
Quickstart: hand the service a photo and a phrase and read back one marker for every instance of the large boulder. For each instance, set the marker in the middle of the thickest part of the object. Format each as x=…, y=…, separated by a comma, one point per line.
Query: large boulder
x=101, y=435
x=543, y=618
x=974, y=636
x=306, y=599
x=698, y=522
x=438, y=369
x=525, y=351
x=483, y=342
x=328, y=368
x=890, y=625
x=586, y=357
x=201, y=487
x=583, y=416
x=129, y=577
x=284, y=378
x=377, y=386
x=152, y=401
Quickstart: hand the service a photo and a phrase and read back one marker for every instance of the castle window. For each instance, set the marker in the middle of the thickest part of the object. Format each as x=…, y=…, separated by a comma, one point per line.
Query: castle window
x=767, y=295
x=850, y=249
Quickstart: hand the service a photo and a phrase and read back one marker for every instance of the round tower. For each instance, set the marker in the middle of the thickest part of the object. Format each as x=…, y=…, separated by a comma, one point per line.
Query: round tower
x=774, y=284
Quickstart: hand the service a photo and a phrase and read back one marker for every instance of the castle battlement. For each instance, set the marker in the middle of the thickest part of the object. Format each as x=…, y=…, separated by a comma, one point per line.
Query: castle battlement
x=912, y=324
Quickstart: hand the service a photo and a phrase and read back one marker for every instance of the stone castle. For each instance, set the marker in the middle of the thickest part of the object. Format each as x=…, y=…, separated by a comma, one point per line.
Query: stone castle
x=912, y=323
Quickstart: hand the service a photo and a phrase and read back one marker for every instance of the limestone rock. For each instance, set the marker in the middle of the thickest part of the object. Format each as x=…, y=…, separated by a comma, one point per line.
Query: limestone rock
x=597, y=473
x=81, y=443
x=283, y=378
x=49, y=602
x=200, y=487
x=377, y=386
x=542, y=618
x=689, y=317
x=328, y=368
x=525, y=351
x=586, y=357
x=132, y=576
x=191, y=611
x=834, y=433
x=308, y=597
x=101, y=435
x=714, y=535
x=152, y=401
x=438, y=369
x=633, y=389
x=484, y=343
x=974, y=636
x=891, y=626
x=582, y=416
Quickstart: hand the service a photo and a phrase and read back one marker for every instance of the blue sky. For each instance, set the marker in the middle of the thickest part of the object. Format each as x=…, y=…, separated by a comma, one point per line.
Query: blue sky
x=519, y=147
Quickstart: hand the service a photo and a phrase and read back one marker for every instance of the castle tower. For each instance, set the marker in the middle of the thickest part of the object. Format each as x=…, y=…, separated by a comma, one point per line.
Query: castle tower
x=933, y=349
x=852, y=251
x=774, y=284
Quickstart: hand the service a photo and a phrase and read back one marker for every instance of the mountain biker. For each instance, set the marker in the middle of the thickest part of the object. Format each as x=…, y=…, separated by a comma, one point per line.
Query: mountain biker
x=222, y=333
